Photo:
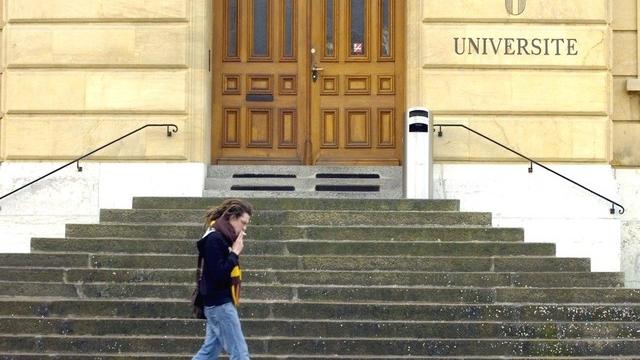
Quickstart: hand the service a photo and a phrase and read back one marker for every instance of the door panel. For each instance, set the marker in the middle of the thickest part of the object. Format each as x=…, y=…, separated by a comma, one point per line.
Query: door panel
x=259, y=102
x=357, y=95
x=267, y=107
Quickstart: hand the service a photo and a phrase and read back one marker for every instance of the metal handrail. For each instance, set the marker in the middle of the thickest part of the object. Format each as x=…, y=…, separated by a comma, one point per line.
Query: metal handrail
x=531, y=161
x=171, y=129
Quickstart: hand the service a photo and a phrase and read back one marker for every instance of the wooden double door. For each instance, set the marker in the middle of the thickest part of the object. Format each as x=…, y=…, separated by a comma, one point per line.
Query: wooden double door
x=308, y=81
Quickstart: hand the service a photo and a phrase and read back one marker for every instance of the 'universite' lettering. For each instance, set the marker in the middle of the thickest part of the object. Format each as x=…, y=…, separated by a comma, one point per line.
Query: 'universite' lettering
x=515, y=46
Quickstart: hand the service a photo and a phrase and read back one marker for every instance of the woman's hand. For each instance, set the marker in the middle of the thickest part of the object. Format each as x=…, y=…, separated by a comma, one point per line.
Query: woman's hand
x=238, y=245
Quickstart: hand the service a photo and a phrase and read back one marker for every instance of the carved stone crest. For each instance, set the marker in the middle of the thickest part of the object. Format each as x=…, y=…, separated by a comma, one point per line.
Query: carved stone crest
x=515, y=7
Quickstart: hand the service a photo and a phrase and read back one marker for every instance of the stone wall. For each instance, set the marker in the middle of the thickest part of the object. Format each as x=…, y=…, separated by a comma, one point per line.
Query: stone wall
x=626, y=104
x=551, y=107
x=79, y=73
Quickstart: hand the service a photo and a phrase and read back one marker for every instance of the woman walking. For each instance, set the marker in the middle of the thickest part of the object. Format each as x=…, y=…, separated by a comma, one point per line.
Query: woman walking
x=220, y=248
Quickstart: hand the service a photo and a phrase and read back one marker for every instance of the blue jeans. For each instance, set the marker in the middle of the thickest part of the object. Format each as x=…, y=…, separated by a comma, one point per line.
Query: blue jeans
x=223, y=332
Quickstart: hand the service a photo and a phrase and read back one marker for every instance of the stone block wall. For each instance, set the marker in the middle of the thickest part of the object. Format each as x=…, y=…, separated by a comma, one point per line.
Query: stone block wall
x=79, y=73
x=626, y=104
x=554, y=106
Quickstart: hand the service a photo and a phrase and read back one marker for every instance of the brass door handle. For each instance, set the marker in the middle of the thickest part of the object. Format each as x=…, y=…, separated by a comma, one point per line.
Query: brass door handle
x=314, y=72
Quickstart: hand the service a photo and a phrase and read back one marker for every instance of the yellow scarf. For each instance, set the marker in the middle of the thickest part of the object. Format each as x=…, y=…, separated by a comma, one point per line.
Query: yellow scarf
x=236, y=279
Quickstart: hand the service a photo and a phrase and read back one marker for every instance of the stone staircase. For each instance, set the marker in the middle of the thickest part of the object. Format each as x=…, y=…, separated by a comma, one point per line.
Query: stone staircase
x=324, y=278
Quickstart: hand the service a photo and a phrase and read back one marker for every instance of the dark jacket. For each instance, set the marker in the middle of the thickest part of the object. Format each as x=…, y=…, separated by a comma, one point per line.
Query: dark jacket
x=215, y=285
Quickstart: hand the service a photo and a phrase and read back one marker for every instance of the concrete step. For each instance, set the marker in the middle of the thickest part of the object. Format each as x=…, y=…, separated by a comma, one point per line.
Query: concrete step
x=303, y=217
x=253, y=262
x=33, y=289
x=567, y=279
x=31, y=274
x=327, y=277
x=25, y=355
x=414, y=263
x=253, y=292
x=302, y=247
x=568, y=296
x=147, y=356
x=305, y=188
x=305, y=184
x=227, y=171
x=266, y=232
x=300, y=204
x=332, y=293
x=328, y=346
x=327, y=328
x=179, y=309
x=384, y=193
x=51, y=260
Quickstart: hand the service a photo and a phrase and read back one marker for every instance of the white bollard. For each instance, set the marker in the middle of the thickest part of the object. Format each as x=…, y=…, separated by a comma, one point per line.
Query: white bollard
x=418, y=154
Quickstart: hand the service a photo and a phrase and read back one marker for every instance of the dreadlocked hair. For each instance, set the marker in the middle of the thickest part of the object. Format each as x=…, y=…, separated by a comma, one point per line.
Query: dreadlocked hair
x=229, y=208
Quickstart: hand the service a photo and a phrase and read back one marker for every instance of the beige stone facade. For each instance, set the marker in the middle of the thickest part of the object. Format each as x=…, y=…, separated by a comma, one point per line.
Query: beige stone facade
x=78, y=73
x=548, y=101
x=626, y=104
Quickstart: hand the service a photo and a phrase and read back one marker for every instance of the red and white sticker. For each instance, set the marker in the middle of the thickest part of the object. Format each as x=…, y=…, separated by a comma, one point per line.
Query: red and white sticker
x=357, y=49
